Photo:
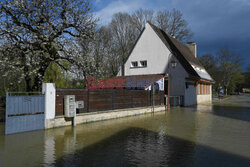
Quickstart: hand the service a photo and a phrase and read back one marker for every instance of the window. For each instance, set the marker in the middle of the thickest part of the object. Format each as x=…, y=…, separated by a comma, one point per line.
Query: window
x=134, y=64
x=144, y=63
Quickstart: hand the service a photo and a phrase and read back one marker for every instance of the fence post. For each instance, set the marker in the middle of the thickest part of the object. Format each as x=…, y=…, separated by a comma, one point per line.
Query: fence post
x=112, y=99
x=49, y=91
x=153, y=93
x=88, y=99
x=132, y=100
x=150, y=98
x=6, y=106
x=147, y=97
x=159, y=95
x=162, y=96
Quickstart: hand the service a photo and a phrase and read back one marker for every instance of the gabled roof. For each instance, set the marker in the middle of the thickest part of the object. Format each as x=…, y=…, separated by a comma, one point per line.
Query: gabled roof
x=183, y=54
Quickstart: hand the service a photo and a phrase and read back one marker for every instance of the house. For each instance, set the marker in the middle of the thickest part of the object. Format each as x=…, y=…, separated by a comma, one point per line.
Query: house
x=160, y=56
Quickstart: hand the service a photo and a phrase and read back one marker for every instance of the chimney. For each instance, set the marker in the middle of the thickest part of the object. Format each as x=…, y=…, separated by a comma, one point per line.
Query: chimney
x=193, y=48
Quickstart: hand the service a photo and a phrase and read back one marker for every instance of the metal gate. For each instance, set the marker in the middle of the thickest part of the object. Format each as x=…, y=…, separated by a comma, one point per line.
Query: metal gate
x=24, y=112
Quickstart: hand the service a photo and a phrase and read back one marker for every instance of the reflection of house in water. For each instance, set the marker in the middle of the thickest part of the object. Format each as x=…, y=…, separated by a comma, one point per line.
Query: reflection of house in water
x=153, y=149
x=133, y=147
x=59, y=142
x=154, y=51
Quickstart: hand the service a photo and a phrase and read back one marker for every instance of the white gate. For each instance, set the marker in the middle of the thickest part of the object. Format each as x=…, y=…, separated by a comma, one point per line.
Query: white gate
x=24, y=112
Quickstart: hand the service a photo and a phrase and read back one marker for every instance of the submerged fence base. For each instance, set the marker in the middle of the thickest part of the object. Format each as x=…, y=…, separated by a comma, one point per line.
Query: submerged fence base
x=60, y=121
x=25, y=112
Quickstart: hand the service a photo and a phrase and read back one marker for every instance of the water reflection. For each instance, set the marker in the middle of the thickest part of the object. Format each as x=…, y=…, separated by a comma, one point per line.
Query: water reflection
x=49, y=151
x=133, y=147
x=195, y=136
x=139, y=147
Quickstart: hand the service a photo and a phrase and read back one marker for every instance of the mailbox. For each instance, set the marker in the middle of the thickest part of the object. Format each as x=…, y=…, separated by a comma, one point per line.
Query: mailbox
x=69, y=105
x=79, y=104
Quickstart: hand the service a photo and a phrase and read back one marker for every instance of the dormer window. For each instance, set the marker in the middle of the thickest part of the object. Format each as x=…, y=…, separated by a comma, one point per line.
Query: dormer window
x=134, y=64
x=144, y=63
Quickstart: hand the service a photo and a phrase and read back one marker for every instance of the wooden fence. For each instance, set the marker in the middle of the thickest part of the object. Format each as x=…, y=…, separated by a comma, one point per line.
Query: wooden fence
x=108, y=99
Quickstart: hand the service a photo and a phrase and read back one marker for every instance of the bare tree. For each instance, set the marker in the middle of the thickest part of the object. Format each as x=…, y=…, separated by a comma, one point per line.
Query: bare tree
x=123, y=30
x=41, y=30
x=110, y=60
x=141, y=16
x=171, y=22
x=174, y=24
x=162, y=20
x=124, y=35
x=210, y=64
x=229, y=65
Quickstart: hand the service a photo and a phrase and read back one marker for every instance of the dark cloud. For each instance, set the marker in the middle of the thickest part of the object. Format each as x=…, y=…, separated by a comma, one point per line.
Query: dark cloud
x=215, y=23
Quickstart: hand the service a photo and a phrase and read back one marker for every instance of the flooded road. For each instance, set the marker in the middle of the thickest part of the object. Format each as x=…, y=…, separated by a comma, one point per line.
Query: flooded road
x=206, y=135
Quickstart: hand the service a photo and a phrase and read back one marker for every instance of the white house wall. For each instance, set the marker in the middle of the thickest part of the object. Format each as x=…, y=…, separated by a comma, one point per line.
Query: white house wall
x=190, y=95
x=149, y=48
x=177, y=79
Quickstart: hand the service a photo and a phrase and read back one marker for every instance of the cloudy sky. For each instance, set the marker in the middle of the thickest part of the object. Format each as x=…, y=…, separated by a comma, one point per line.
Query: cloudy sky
x=215, y=23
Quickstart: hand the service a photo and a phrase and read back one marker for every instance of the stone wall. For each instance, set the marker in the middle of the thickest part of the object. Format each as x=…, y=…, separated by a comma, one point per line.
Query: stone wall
x=60, y=121
x=204, y=99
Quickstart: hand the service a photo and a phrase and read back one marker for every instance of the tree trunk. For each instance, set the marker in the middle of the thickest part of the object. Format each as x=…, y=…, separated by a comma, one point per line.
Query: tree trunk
x=38, y=79
x=28, y=83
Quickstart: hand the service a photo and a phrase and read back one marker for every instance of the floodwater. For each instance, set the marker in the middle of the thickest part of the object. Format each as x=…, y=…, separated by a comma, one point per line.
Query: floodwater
x=206, y=135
